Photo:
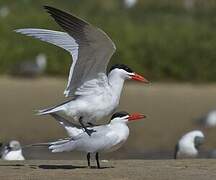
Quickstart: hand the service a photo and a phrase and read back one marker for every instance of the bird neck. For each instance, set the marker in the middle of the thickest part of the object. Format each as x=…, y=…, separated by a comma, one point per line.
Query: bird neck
x=120, y=128
x=116, y=82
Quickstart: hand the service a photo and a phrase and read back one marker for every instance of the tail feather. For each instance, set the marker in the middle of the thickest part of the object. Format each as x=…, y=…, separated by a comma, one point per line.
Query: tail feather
x=53, y=109
x=48, y=144
x=46, y=111
x=67, y=146
x=49, y=110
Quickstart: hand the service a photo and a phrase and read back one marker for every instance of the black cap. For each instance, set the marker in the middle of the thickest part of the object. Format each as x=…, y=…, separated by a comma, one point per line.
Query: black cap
x=121, y=66
x=119, y=114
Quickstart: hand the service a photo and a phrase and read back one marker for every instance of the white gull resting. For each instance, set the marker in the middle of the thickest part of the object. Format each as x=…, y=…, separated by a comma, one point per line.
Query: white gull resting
x=94, y=93
x=209, y=120
x=106, y=138
x=12, y=151
x=188, y=145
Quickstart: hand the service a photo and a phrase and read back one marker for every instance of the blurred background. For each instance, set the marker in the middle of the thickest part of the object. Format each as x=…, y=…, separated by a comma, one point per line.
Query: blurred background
x=171, y=42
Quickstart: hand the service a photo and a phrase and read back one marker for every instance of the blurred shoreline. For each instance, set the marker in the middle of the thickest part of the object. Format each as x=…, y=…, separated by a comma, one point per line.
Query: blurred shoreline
x=171, y=110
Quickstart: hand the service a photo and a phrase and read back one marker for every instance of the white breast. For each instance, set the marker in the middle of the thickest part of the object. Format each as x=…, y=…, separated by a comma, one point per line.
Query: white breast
x=13, y=156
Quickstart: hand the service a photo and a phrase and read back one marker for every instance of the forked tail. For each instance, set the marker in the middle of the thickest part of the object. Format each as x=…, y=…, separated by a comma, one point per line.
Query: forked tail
x=61, y=145
x=53, y=109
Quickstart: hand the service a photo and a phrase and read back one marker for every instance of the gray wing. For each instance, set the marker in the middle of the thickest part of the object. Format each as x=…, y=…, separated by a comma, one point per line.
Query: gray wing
x=71, y=128
x=100, y=131
x=94, y=86
x=98, y=138
x=90, y=47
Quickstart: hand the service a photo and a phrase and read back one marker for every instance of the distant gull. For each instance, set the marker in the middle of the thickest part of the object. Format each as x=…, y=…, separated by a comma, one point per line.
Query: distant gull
x=209, y=120
x=31, y=68
x=129, y=3
x=4, y=11
x=188, y=145
x=12, y=151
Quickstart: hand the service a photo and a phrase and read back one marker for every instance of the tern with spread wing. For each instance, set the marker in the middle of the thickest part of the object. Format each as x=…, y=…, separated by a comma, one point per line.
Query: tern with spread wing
x=105, y=138
x=94, y=94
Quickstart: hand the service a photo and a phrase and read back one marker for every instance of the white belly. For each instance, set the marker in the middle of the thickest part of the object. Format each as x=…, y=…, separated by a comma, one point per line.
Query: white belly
x=13, y=156
x=92, y=108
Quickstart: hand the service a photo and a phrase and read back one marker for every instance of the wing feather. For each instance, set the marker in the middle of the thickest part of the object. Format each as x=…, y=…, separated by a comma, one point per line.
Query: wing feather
x=90, y=47
x=94, y=54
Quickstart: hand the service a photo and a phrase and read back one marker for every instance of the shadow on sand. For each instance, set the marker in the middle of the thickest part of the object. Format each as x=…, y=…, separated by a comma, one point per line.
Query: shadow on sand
x=68, y=167
x=12, y=165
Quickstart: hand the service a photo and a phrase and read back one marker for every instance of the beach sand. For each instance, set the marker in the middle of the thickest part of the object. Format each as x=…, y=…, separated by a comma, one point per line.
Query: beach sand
x=113, y=170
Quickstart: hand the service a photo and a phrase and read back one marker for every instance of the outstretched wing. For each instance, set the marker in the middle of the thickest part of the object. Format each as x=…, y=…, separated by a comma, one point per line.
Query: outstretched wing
x=90, y=47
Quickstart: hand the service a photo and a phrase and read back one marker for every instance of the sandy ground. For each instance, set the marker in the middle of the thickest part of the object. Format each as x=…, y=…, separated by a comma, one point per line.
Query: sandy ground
x=171, y=110
x=114, y=170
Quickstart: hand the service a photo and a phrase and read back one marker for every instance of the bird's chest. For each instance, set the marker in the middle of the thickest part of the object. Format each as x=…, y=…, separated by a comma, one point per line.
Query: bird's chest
x=102, y=105
x=187, y=152
x=119, y=136
x=13, y=155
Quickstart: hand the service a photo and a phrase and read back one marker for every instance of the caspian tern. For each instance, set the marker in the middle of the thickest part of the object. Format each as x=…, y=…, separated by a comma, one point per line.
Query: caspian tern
x=94, y=94
x=12, y=151
x=188, y=145
x=105, y=138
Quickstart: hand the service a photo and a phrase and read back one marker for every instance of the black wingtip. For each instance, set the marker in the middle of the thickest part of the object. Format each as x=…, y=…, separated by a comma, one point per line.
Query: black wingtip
x=48, y=7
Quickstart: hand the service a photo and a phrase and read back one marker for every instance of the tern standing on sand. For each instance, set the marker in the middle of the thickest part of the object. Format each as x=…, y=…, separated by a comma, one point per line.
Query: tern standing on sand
x=188, y=145
x=12, y=151
x=106, y=138
x=94, y=94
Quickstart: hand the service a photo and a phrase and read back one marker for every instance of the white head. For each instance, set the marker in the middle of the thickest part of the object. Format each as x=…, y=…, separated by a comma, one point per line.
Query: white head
x=211, y=119
x=13, y=146
x=125, y=72
x=41, y=61
x=12, y=151
x=125, y=117
x=188, y=145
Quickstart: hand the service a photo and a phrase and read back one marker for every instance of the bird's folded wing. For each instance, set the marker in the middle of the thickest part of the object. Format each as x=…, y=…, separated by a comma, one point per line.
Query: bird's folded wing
x=71, y=128
x=95, y=86
x=90, y=47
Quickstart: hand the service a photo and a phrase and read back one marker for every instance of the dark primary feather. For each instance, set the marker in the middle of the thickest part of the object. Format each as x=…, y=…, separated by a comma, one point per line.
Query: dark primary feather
x=71, y=24
x=64, y=121
x=95, y=48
